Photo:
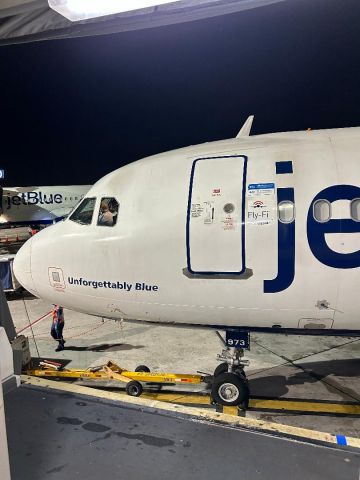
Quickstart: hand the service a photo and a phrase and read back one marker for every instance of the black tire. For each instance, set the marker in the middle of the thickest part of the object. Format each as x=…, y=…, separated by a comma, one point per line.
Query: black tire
x=241, y=373
x=222, y=368
x=134, y=388
x=142, y=368
x=229, y=389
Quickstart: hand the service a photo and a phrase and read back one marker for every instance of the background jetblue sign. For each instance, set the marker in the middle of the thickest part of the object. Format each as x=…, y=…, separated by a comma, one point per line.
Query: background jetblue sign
x=2, y=174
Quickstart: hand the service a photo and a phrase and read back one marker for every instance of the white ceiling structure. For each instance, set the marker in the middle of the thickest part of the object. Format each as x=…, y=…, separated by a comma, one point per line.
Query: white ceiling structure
x=24, y=21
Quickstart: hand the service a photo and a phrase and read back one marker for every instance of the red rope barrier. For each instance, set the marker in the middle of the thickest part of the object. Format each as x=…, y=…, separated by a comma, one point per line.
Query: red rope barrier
x=33, y=323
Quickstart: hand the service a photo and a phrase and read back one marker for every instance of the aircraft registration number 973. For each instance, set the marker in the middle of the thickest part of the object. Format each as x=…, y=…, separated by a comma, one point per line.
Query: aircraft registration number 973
x=238, y=339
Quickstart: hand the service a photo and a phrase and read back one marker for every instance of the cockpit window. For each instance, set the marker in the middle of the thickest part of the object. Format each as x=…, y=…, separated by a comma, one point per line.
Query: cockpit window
x=108, y=212
x=84, y=212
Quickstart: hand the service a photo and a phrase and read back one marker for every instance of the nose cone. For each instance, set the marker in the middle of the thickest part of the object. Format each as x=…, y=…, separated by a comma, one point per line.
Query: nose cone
x=22, y=267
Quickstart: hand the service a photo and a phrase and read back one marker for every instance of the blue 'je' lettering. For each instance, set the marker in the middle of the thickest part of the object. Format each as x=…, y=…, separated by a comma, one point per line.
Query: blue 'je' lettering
x=315, y=232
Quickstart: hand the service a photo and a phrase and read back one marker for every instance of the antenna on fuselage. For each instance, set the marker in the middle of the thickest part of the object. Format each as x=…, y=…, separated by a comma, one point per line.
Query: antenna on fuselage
x=245, y=129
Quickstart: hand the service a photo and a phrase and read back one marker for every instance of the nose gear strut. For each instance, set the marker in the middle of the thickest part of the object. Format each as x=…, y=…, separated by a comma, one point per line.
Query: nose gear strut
x=230, y=385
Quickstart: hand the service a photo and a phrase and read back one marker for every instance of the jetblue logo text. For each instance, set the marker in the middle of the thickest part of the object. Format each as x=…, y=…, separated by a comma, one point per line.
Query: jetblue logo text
x=34, y=198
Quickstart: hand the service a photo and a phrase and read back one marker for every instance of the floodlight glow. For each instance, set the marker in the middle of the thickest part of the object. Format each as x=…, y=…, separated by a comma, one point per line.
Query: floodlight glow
x=83, y=9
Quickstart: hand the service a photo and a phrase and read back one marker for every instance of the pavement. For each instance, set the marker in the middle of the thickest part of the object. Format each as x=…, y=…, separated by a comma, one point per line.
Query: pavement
x=307, y=368
x=62, y=435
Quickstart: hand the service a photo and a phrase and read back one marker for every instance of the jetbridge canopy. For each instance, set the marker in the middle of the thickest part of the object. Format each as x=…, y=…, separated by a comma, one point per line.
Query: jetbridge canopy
x=33, y=20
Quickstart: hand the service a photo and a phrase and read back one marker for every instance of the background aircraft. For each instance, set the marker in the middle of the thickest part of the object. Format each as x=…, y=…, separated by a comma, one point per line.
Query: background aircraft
x=38, y=205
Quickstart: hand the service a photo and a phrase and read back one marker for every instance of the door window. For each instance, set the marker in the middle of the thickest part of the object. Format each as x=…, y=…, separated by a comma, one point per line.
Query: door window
x=355, y=209
x=322, y=211
x=286, y=211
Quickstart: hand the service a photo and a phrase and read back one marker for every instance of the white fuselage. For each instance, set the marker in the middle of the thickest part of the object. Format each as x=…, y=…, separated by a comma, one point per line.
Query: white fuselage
x=39, y=205
x=219, y=234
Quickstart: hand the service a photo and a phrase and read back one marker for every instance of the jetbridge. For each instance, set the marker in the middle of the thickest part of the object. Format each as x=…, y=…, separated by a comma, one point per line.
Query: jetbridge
x=8, y=378
x=33, y=20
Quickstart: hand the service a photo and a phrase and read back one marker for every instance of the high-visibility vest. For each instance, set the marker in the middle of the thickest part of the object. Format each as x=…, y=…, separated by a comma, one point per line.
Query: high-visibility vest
x=57, y=314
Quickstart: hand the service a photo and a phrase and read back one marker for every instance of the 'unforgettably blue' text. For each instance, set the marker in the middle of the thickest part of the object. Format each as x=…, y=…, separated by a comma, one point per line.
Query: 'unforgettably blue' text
x=126, y=286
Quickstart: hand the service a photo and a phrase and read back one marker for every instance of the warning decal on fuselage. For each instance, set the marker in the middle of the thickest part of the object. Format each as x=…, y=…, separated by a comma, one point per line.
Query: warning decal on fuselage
x=255, y=189
x=260, y=203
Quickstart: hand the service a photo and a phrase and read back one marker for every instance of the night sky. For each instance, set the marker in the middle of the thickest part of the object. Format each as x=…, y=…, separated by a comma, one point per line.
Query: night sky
x=73, y=110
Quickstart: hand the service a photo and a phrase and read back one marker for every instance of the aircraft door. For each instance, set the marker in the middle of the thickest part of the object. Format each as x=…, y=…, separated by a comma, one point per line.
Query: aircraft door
x=215, y=217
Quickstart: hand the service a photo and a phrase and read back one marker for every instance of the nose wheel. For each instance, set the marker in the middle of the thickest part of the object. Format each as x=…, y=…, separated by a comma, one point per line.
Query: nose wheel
x=230, y=385
x=230, y=389
x=224, y=367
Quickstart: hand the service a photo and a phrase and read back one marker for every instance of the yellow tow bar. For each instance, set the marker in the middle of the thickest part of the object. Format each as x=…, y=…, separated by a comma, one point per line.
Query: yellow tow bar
x=111, y=371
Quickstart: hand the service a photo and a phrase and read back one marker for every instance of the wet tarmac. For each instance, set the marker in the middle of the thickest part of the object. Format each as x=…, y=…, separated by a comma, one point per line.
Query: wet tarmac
x=62, y=435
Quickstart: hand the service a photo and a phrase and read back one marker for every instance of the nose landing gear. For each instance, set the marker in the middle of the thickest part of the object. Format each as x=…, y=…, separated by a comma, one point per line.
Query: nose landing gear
x=230, y=385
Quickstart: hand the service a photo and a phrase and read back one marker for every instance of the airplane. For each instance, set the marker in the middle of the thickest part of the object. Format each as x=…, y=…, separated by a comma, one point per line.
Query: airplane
x=38, y=205
x=251, y=233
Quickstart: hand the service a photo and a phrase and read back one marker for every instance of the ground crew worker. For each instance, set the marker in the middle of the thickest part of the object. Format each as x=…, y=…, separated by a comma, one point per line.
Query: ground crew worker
x=57, y=326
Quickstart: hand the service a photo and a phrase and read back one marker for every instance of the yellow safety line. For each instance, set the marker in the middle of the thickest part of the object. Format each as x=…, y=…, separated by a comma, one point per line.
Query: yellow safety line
x=231, y=410
x=256, y=403
x=203, y=414
x=198, y=399
x=316, y=407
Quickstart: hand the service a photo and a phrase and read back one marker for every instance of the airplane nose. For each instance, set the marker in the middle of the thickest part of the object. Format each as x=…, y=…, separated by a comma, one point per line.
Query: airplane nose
x=22, y=267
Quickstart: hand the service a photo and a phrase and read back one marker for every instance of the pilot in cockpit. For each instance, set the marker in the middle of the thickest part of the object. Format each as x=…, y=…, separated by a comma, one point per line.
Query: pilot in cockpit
x=105, y=215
